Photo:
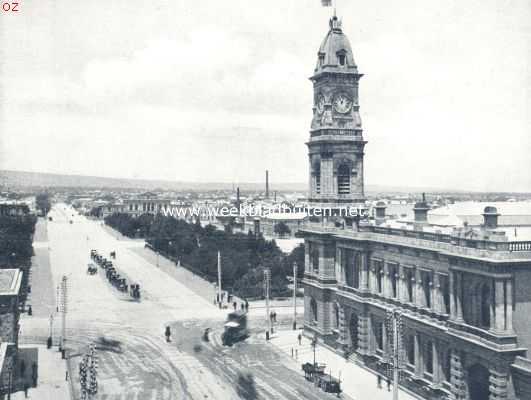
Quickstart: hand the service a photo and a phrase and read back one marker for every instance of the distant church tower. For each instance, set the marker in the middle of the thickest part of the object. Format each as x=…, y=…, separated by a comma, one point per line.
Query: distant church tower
x=336, y=144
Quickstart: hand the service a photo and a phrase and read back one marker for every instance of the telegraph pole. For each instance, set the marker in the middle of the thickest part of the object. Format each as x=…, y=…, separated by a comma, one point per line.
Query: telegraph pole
x=63, y=308
x=219, y=275
x=395, y=355
x=267, y=279
x=294, y=296
x=394, y=318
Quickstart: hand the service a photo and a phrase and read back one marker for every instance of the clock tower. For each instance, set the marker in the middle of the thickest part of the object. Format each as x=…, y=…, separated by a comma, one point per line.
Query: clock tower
x=336, y=145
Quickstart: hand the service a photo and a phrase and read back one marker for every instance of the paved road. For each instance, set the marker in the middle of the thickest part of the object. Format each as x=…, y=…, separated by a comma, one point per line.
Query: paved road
x=135, y=361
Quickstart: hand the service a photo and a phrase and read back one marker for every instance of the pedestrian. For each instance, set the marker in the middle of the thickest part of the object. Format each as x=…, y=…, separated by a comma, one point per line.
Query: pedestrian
x=234, y=305
x=274, y=316
x=22, y=367
x=26, y=387
x=34, y=374
x=168, y=334
x=217, y=298
x=379, y=381
x=246, y=305
x=242, y=306
x=299, y=337
x=388, y=384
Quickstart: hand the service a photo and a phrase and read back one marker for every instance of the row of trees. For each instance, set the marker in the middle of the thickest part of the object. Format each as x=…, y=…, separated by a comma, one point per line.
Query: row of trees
x=243, y=256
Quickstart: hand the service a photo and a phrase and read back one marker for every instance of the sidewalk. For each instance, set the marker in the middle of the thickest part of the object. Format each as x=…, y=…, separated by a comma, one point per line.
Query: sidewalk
x=51, y=383
x=356, y=382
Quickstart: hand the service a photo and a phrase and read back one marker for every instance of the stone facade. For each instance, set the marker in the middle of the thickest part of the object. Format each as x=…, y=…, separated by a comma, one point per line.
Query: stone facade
x=460, y=331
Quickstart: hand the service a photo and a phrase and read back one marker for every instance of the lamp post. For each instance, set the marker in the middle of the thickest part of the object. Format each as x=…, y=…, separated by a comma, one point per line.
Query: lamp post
x=267, y=280
x=50, y=337
x=314, y=345
x=10, y=381
x=294, y=296
x=63, y=308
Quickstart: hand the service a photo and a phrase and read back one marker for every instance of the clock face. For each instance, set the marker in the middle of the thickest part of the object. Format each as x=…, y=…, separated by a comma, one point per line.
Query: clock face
x=320, y=103
x=342, y=103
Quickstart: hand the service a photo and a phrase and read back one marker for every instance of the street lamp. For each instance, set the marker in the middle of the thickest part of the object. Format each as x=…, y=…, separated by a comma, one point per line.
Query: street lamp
x=10, y=372
x=314, y=345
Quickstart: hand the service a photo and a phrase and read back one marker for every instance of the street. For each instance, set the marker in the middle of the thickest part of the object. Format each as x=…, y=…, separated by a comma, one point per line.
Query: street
x=135, y=361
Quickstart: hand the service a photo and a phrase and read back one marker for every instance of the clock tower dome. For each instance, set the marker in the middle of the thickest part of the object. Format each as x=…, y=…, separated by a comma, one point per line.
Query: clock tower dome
x=336, y=145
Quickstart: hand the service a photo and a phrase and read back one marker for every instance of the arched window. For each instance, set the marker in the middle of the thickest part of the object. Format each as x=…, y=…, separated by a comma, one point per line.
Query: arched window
x=343, y=179
x=313, y=309
x=485, y=306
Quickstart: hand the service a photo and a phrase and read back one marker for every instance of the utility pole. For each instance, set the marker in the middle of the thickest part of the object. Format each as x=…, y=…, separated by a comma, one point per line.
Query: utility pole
x=395, y=355
x=219, y=275
x=294, y=296
x=267, y=279
x=63, y=309
x=394, y=318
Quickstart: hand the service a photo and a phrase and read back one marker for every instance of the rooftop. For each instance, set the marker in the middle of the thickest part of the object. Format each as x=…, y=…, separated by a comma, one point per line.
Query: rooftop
x=10, y=280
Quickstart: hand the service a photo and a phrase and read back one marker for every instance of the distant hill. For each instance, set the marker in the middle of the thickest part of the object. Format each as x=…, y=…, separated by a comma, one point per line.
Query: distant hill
x=22, y=179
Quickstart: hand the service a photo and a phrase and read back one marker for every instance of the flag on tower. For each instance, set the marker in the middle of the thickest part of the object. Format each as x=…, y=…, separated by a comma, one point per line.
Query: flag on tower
x=326, y=3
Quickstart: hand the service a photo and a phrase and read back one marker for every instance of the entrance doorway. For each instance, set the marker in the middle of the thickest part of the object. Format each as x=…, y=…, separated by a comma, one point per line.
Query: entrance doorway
x=478, y=382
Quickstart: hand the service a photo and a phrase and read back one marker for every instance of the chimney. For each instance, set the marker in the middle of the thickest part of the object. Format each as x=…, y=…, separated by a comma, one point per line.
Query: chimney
x=490, y=217
x=238, y=196
x=267, y=184
x=379, y=210
x=421, y=209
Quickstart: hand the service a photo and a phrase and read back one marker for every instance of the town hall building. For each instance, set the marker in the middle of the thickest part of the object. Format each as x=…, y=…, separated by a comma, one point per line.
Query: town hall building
x=462, y=295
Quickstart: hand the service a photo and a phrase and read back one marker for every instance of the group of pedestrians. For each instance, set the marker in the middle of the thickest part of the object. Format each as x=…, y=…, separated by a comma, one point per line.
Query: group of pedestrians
x=219, y=300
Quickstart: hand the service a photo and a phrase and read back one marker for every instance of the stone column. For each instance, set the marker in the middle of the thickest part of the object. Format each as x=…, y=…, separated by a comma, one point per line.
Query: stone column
x=436, y=363
x=453, y=304
x=419, y=293
x=386, y=280
x=498, y=384
x=402, y=285
x=498, y=305
x=418, y=356
x=364, y=266
x=438, y=302
x=307, y=261
x=339, y=265
x=373, y=287
x=459, y=296
x=509, y=305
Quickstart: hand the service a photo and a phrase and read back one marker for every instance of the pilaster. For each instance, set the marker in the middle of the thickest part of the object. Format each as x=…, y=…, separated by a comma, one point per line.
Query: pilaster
x=498, y=381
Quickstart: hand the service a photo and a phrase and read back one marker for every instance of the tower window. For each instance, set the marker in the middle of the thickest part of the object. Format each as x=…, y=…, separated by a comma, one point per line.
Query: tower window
x=317, y=178
x=343, y=179
x=341, y=58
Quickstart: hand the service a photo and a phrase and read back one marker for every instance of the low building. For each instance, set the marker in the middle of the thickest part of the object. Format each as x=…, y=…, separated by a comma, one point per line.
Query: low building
x=10, y=283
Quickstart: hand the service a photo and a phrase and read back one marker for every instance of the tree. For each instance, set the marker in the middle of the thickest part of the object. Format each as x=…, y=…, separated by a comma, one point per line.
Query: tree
x=42, y=202
x=282, y=229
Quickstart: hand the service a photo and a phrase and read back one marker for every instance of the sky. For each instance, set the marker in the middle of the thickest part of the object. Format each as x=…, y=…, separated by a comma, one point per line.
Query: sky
x=218, y=90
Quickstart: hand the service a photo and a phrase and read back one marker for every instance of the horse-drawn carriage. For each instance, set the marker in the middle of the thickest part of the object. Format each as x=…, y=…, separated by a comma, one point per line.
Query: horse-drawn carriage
x=91, y=269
